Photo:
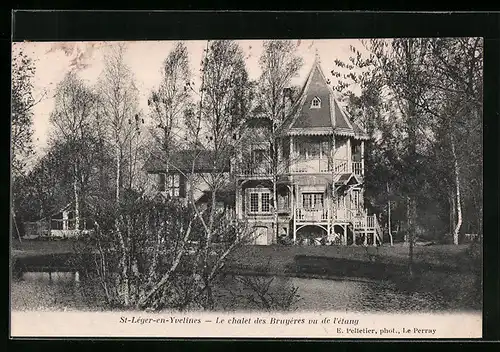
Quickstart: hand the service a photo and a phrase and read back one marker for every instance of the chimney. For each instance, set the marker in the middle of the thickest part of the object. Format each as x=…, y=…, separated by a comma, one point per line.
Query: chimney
x=287, y=101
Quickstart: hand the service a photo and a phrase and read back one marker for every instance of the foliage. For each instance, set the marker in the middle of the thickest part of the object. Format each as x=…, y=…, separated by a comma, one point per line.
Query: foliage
x=163, y=244
x=22, y=103
x=420, y=100
x=169, y=102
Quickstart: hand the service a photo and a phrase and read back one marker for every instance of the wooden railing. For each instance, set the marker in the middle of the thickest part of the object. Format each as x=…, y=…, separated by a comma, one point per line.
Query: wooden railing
x=368, y=223
x=339, y=214
x=357, y=168
x=311, y=215
x=67, y=224
x=364, y=222
x=254, y=169
x=336, y=166
x=303, y=166
x=339, y=166
x=343, y=214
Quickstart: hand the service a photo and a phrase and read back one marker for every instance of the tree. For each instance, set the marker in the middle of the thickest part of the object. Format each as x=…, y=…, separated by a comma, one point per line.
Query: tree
x=73, y=117
x=118, y=106
x=398, y=66
x=440, y=81
x=224, y=106
x=279, y=63
x=458, y=77
x=169, y=102
x=22, y=103
x=46, y=186
x=154, y=253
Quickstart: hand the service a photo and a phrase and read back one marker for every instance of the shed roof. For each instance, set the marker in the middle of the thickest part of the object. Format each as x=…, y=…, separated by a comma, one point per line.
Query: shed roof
x=183, y=160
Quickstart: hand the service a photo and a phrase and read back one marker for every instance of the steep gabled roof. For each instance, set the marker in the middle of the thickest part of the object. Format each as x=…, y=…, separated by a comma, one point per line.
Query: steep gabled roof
x=326, y=119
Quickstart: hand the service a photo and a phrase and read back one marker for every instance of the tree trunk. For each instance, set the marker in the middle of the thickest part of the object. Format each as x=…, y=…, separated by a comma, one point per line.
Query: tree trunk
x=118, y=174
x=77, y=199
x=456, y=230
x=209, y=301
x=452, y=211
x=131, y=171
x=275, y=195
x=124, y=279
x=411, y=233
x=13, y=214
x=389, y=225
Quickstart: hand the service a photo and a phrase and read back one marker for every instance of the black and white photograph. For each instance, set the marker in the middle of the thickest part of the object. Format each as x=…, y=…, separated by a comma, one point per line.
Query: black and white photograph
x=236, y=177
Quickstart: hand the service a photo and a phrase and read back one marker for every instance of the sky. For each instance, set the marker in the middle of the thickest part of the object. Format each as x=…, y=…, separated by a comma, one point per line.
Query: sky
x=54, y=59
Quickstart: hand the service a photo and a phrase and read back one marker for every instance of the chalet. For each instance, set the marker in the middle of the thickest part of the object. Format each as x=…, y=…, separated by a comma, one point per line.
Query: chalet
x=304, y=179
x=315, y=183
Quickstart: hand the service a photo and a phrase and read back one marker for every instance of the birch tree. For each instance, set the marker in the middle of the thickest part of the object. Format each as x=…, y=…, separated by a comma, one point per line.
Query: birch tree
x=279, y=63
x=223, y=109
x=458, y=77
x=73, y=118
x=399, y=65
x=118, y=106
x=170, y=100
x=440, y=80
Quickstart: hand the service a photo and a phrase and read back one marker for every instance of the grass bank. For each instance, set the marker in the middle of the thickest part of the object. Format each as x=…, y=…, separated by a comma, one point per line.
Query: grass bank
x=449, y=271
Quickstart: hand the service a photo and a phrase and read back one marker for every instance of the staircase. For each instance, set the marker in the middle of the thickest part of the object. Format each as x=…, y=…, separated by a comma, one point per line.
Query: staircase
x=358, y=226
x=367, y=226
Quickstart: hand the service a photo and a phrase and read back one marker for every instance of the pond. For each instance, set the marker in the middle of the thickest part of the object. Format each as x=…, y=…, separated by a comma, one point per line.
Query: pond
x=64, y=291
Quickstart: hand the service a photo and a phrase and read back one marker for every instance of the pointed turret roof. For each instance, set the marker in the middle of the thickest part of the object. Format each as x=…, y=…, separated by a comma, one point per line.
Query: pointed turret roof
x=328, y=117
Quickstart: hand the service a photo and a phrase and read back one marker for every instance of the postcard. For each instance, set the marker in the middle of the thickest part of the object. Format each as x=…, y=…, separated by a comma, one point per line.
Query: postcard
x=306, y=188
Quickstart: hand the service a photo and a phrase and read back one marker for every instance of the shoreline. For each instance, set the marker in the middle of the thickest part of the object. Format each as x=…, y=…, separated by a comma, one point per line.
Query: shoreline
x=446, y=272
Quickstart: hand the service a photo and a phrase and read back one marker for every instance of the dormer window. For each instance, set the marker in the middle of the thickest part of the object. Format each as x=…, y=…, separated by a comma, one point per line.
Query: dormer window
x=316, y=103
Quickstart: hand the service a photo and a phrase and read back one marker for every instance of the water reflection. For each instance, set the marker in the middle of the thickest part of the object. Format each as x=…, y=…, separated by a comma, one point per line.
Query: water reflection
x=358, y=296
x=51, y=277
x=315, y=294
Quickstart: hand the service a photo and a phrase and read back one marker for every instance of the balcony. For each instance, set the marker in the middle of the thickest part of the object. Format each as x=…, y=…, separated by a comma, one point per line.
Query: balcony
x=249, y=169
x=306, y=166
x=356, y=216
x=338, y=166
x=311, y=215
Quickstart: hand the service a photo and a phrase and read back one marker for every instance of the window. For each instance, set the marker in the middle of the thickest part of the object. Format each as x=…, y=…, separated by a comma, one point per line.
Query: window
x=309, y=149
x=162, y=182
x=171, y=184
x=254, y=202
x=316, y=103
x=355, y=199
x=265, y=203
x=341, y=202
x=259, y=201
x=325, y=150
x=258, y=155
x=312, y=200
x=283, y=202
x=313, y=150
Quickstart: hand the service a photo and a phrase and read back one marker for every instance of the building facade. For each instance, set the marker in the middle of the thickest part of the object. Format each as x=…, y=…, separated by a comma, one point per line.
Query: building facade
x=301, y=180
x=304, y=181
